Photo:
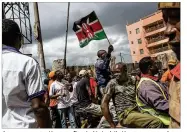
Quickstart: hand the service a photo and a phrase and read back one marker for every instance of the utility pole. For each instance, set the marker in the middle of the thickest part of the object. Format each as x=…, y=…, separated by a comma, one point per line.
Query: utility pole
x=38, y=36
x=65, y=50
x=121, y=56
x=3, y=11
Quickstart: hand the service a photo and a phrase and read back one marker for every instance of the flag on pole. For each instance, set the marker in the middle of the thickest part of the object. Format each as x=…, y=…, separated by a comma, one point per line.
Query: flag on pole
x=88, y=28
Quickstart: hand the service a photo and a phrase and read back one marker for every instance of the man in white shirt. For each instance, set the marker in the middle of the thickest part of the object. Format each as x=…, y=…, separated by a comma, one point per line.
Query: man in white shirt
x=73, y=82
x=59, y=90
x=21, y=83
x=74, y=94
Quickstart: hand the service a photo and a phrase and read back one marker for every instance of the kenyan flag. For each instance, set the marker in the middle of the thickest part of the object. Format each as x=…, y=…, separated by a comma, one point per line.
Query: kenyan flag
x=88, y=28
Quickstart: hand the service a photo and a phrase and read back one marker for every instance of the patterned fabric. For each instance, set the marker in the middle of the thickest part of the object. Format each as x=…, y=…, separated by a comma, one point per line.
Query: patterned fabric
x=65, y=89
x=174, y=100
x=176, y=71
x=93, y=109
x=103, y=122
x=123, y=95
x=162, y=5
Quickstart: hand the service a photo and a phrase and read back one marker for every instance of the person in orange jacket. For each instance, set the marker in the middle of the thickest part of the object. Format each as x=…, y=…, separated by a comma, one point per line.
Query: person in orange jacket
x=167, y=76
x=55, y=117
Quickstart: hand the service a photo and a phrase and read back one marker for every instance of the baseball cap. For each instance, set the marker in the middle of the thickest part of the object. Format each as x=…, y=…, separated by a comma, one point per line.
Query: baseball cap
x=82, y=72
x=51, y=74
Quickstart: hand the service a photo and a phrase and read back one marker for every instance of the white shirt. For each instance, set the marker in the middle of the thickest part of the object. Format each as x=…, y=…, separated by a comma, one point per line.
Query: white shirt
x=73, y=94
x=60, y=88
x=21, y=79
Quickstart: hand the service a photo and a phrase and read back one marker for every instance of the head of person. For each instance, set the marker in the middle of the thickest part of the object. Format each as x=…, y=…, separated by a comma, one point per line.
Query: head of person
x=171, y=64
x=101, y=54
x=76, y=78
x=138, y=72
x=51, y=75
x=46, y=81
x=90, y=73
x=171, y=16
x=72, y=68
x=59, y=75
x=11, y=35
x=47, y=71
x=120, y=72
x=69, y=77
x=148, y=66
x=83, y=74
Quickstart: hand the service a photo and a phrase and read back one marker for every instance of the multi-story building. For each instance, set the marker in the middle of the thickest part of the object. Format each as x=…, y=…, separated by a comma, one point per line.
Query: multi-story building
x=146, y=37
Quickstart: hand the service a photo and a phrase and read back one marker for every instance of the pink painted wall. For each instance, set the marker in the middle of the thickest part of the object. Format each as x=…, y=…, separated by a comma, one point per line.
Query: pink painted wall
x=152, y=18
x=134, y=37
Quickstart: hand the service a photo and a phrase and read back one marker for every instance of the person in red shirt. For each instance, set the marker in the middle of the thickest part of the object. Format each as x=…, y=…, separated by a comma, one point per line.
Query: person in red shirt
x=93, y=86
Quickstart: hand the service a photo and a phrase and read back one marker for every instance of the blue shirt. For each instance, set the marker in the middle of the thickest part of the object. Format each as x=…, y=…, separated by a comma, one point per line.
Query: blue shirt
x=102, y=70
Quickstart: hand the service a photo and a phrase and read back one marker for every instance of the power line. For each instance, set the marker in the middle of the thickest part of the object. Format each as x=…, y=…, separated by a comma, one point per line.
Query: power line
x=129, y=54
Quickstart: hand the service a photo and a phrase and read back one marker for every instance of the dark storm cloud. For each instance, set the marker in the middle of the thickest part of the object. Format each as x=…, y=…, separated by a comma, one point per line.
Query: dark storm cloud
x=53, y=22
x=113, y=16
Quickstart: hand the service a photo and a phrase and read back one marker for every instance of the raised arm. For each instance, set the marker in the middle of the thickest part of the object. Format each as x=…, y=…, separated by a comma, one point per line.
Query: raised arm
x=35, y=90
x=105, y=104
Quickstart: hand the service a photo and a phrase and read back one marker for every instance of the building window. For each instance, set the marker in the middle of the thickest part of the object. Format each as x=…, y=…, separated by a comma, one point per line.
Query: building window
x=137, y=31
x=141, y=51
x=131, y=42
x=133, y=52
x=139, y=41
x=129, y=32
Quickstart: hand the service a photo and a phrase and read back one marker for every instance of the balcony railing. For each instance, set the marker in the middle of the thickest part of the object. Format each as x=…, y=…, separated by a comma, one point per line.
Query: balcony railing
x=156, y=39
x=162, y=49
x=153, y=28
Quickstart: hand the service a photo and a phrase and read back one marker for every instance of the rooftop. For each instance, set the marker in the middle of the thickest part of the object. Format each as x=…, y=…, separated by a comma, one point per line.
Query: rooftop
x=144, y=17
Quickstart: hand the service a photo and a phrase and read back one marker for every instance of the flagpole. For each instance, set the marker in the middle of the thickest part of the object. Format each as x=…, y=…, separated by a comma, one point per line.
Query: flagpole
x=66, y=38
x=107, y=37
x=103, y=30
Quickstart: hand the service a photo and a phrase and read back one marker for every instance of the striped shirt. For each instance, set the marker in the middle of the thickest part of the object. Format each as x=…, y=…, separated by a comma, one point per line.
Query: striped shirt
x=123, y=96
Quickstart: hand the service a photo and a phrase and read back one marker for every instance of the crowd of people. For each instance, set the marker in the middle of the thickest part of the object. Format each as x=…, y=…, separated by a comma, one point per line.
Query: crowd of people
x=36, y=98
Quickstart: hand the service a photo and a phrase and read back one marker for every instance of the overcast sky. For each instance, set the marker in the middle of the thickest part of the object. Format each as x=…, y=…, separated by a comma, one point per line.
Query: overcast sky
x=113, y=17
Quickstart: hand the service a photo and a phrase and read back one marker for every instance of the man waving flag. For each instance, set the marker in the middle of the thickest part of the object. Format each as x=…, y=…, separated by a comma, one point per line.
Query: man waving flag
x=88, y=28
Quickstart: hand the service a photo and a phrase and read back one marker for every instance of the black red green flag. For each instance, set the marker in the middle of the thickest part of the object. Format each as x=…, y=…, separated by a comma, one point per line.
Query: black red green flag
x=88, y=28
